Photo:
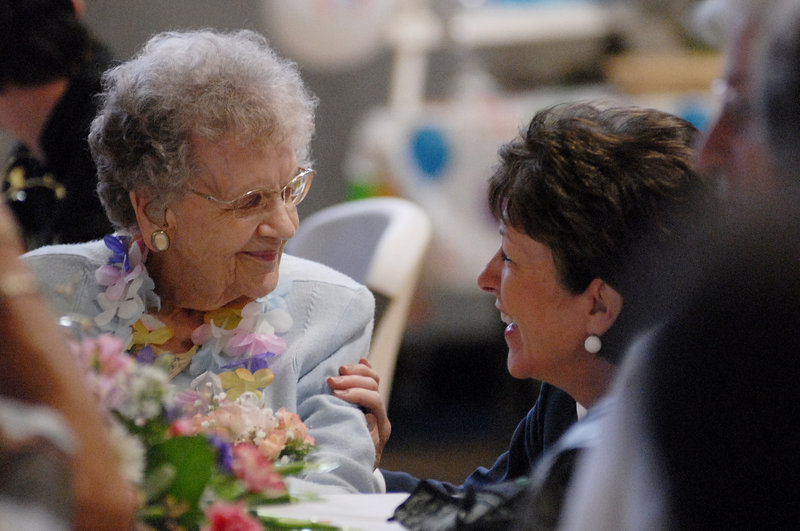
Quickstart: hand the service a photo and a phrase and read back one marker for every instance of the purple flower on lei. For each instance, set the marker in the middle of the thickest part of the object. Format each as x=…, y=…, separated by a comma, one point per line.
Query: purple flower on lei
x=119, y=248
x=253, y=363
x=146, y=355
x=129, y=289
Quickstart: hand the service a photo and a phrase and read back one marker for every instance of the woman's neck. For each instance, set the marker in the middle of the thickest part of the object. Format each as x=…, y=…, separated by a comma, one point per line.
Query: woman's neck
x=182, y=310
x=182, y=322
x=176, y=290
x=592, y=381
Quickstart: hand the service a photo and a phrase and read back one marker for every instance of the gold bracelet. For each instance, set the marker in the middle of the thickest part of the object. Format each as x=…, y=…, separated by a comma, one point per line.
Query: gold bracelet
x=18, y=284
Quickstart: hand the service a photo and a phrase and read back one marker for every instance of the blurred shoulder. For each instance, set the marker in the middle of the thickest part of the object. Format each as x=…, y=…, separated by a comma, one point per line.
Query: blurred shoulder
x=94, y=251
x=57, y=260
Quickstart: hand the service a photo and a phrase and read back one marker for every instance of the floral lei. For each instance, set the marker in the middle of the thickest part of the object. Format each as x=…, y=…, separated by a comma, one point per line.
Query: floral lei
x=234, y=342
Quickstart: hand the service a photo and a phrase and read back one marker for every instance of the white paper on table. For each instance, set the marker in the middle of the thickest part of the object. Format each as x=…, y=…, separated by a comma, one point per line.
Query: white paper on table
x=351, y=512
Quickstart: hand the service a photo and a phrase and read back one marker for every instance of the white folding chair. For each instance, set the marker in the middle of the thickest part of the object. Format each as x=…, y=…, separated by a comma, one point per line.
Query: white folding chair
x=379, y=242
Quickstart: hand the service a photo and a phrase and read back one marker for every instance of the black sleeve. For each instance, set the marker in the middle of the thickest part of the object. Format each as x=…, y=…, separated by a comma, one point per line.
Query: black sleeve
x=552, y=414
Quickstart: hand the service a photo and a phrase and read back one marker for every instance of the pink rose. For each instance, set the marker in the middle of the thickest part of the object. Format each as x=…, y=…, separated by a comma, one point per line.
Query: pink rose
x=224, y=516
x=181, y=427
x=256, y=471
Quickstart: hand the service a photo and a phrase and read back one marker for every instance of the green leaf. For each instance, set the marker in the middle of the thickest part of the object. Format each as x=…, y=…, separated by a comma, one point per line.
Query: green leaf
x=271, y=522
x=158, y=480
x=191, y=458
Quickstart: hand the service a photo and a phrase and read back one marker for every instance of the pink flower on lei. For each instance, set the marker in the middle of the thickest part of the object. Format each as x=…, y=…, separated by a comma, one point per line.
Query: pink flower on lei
x=244, y=344
x=261, y=338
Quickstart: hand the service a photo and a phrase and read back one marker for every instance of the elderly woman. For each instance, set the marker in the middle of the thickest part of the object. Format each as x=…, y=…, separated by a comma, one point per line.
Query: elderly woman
x=581, y=196
x=201, y=144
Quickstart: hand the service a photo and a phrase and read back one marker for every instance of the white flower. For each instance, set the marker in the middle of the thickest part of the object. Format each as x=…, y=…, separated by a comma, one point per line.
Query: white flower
x=147, y=390
x=129, y=451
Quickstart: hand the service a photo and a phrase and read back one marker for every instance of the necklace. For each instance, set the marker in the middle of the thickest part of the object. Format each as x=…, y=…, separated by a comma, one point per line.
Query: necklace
x=232, y=338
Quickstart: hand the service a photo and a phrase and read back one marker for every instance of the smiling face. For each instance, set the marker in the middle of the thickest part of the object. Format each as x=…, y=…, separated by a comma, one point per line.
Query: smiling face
x=217, y=256
x=547, y=324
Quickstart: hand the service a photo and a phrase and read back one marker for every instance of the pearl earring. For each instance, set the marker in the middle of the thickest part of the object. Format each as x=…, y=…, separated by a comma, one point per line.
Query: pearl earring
x=592, y=344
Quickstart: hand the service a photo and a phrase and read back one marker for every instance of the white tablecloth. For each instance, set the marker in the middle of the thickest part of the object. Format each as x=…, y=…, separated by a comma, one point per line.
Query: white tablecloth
x=363, y=512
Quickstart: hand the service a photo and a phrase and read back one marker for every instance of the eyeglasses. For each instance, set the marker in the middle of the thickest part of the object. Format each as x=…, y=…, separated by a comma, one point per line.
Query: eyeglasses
x=254, y=201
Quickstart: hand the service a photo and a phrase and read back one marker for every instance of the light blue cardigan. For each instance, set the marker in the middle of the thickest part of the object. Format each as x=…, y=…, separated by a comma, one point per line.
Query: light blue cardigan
x=332, y=326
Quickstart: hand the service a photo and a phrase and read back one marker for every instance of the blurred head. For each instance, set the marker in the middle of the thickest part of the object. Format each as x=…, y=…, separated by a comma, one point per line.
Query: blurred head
x=40, y=41
x=734, y=149
x=185, y=129
x=776, y=86
x=579, y=196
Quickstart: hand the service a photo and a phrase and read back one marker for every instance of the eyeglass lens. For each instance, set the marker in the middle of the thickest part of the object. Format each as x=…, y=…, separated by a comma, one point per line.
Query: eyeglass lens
x=291, y=194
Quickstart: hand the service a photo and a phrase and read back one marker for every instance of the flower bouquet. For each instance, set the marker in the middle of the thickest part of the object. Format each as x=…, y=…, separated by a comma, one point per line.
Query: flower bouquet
x=200, y=458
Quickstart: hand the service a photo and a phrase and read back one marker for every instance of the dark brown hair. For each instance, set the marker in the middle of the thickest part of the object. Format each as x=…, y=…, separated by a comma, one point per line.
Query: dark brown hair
x=600, y=187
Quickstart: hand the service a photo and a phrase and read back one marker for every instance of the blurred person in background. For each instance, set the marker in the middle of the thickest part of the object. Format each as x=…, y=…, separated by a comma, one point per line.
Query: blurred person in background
x=50, y=68
x=733, y=149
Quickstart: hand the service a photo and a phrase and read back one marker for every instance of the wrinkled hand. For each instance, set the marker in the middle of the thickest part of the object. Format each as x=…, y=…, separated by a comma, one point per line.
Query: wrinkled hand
x=358, y=384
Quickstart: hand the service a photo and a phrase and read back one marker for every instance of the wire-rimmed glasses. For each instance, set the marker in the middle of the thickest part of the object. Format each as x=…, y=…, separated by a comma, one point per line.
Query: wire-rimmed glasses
x=257, y=200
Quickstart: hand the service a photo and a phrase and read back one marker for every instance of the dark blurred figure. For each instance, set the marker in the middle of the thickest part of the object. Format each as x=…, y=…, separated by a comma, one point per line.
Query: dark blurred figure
x=776, y=82
x=703, y=434
x=50, y=68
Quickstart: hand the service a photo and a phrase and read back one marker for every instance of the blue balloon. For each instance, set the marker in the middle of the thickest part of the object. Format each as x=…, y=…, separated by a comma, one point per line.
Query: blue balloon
x=431, y=151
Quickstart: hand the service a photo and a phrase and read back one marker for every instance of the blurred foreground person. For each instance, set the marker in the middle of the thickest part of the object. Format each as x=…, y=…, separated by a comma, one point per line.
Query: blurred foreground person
x=57, y=465
x=701, y=437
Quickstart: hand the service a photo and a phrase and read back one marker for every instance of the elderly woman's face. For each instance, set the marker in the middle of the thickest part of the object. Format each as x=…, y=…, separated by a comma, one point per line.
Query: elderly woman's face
x=222, y=255
x=546, y=323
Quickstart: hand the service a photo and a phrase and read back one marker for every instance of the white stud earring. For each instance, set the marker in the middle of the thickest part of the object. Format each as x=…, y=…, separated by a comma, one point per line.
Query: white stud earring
x=593, y=344
x=160, y=240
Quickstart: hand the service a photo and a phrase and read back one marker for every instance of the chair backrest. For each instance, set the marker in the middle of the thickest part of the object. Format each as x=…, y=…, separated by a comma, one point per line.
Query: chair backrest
x=379, y=242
